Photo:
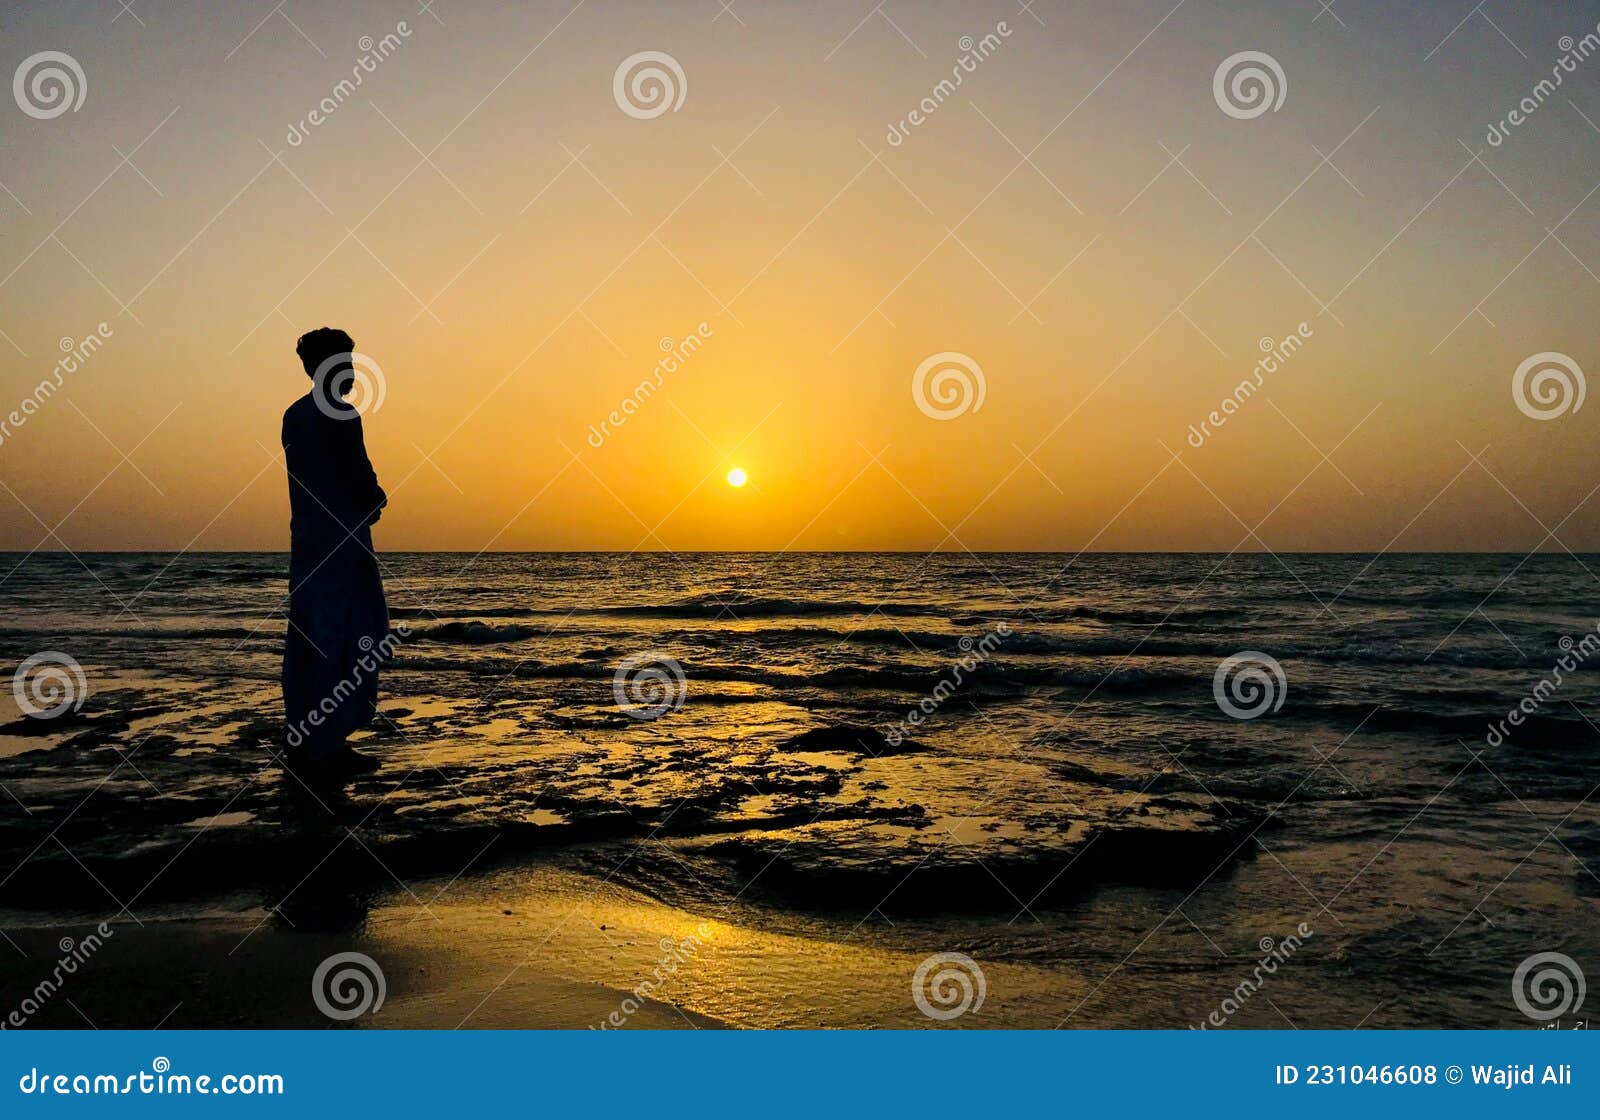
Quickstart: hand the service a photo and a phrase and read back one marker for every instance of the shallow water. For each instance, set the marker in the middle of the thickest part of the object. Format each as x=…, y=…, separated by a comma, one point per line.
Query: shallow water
x=1071, y=805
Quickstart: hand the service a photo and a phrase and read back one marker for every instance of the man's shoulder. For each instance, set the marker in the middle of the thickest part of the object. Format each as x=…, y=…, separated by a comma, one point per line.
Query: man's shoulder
x=307, y=411
x=300, y=417
x=309, y=417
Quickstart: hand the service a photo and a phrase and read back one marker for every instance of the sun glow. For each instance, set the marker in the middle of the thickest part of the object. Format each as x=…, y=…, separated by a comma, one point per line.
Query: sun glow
x=737, y=477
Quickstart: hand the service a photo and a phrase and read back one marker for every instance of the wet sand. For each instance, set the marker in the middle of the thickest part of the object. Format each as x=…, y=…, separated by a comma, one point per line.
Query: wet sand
x=523, y=947
x=449, y=963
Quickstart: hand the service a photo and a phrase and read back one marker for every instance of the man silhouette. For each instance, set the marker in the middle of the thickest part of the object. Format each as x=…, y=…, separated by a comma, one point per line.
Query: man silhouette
x=338, y=621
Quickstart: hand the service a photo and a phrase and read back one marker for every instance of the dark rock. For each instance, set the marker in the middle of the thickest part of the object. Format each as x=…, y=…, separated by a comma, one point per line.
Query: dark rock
x=852, y=739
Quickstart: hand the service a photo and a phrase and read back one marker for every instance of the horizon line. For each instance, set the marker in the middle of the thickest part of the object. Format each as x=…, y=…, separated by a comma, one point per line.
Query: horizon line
x=25, y=554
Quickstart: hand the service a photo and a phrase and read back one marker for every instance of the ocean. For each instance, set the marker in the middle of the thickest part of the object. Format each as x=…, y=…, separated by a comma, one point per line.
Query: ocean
x=1149, y=790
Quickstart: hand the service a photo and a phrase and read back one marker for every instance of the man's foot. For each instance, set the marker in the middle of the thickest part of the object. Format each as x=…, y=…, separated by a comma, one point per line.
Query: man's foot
x=351, y=761
x=344, y=763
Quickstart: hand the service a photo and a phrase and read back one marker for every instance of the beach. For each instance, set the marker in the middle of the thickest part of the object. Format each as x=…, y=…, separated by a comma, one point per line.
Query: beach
x=858, y=764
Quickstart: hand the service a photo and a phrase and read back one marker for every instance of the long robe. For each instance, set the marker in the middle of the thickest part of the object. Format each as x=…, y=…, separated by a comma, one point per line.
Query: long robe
x=338, y=620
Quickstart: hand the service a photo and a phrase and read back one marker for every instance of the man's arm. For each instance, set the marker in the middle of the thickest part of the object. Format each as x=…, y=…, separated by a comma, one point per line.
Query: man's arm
x=366, y=496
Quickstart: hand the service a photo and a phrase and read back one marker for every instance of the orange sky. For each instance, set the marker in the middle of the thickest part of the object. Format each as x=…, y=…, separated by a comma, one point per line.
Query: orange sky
x=516, y=286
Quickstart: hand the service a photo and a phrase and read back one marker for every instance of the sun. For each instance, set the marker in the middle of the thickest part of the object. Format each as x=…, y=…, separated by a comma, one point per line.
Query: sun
x=737, y=477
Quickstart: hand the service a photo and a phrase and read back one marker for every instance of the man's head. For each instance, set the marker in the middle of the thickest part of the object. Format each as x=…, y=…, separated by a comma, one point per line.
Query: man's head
x=328, y=350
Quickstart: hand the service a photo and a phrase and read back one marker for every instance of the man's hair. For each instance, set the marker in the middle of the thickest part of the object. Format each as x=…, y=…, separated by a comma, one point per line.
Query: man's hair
x=316, y=347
